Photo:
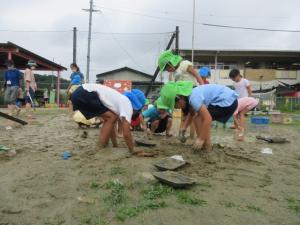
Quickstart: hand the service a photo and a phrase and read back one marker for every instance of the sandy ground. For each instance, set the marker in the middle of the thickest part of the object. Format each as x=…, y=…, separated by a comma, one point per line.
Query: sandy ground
x=237, y=185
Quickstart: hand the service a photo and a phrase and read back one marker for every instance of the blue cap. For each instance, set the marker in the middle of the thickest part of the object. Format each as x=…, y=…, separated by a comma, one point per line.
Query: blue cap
x=204, y=71
x=137, y=98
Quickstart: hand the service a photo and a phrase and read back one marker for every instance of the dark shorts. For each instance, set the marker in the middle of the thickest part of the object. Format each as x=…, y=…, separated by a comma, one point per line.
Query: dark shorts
x=222, y=114
x=27, y=99
x=88, y=103
x=10, y=95
x=162, y=126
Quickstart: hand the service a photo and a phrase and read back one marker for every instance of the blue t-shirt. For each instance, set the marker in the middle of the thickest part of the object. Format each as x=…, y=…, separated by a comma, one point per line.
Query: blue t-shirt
x=212, y=94
x=13, y=77
x=151, y=113
x=76, y=78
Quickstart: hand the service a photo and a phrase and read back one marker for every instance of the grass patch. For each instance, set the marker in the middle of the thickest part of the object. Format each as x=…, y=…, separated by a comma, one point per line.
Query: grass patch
x=293, y=204
x=228, y=204
x=93, y=220
x=94, y=185
x=157, y=191
x=253, y=208
x=116, y=171
x=117, y=195
x=127, y=212
x=185, y=198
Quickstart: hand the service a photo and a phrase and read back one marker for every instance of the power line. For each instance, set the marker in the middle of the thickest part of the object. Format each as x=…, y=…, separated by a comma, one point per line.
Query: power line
x=250, y=28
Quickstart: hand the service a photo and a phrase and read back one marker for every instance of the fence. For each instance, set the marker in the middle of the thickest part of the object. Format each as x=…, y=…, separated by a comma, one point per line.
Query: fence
x=287, y=104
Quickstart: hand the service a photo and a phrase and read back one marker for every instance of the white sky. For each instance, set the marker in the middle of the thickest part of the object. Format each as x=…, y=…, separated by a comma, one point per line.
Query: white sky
x=140, y=16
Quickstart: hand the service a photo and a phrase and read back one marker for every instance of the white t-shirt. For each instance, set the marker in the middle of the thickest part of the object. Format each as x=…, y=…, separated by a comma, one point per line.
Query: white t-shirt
x=182, y=74
x=112, y=99
x=241, y=87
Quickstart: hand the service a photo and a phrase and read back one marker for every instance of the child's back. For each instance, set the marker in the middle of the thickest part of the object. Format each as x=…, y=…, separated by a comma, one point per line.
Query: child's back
x=241, y=87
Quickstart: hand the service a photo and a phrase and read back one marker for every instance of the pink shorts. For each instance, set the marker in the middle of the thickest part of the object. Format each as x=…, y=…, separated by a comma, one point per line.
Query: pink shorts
x=245, y=103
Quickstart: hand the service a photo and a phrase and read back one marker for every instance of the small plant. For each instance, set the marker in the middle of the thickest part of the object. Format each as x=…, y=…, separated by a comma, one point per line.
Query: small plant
x=157, y=191
x=293, y=204
x=185, y=198
x=117, y=194
x=116, y=171
x=94, y=185
x=228, y=204
x=253, y=208
x=93, y=220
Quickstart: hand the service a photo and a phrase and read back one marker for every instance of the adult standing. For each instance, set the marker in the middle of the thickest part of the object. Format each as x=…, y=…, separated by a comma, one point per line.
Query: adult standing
x=12, y=84
x=30, y=87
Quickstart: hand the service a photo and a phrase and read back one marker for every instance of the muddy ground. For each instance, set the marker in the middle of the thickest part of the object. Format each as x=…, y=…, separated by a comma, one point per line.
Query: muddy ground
x=236, y=185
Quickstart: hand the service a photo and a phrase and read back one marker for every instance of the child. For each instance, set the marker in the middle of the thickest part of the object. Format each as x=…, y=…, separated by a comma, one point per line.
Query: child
x=159, y=119
x=12, y=84
x=244, y=105
x=204, y=73
x=241, y=85
x=204, y=103
x=30, y=86
x=178, y=68
x=96, y=100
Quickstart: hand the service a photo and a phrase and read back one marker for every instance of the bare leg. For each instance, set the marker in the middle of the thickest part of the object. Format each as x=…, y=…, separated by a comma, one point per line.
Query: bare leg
x=113, y=137
x=120, y=129
x=108, y=125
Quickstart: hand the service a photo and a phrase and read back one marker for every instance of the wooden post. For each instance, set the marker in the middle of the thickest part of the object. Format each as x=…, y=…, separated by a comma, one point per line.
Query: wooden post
x=58, y=88
x=9, y=55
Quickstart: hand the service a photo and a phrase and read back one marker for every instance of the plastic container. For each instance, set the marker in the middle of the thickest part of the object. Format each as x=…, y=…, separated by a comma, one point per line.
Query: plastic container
x=260, y=120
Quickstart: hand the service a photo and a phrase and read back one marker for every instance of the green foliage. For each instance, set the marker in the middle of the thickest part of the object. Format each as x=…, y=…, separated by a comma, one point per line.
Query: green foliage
x=185, y=198
x=293, y=204
x=228, y=204
x=253, y=208
x=157, y=191
x=117, y=195
x=116, y=171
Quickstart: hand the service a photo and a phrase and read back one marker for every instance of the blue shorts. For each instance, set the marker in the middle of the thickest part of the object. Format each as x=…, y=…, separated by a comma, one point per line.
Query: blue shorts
x=88, y=103
x=27, y=99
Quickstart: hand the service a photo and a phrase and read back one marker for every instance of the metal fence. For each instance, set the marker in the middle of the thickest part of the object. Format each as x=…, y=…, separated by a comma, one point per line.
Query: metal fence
x=287, y=104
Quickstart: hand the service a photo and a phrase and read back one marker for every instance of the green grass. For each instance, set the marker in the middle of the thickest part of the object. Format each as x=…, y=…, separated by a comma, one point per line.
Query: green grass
x=253, y=208
x=117, y=171
x=93, y=220
x=117, y=194
x=157, y=191
x=185, y=198
x=228, y=204
x=293, y=204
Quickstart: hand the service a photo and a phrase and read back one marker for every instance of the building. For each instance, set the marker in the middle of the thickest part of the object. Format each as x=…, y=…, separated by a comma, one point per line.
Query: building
x=140, y=80
x=265, y=69
x=20, y=56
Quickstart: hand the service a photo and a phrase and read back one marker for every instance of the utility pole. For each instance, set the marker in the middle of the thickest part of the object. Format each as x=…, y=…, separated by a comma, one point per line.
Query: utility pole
x=193, y=34
x=177, y=40
x=90, y=10
x=74, y=44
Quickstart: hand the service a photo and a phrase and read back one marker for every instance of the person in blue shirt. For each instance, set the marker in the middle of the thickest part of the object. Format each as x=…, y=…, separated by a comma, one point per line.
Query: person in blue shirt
x=12, y=83
x=77, y=79
x=158, y=118
x=204, y=104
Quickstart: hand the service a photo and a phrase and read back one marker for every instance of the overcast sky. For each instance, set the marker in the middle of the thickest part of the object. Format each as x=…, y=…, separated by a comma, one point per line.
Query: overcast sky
x=158, y=17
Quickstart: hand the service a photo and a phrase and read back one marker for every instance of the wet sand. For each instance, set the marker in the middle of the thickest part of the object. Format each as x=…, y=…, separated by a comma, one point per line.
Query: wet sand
x=239, y=184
